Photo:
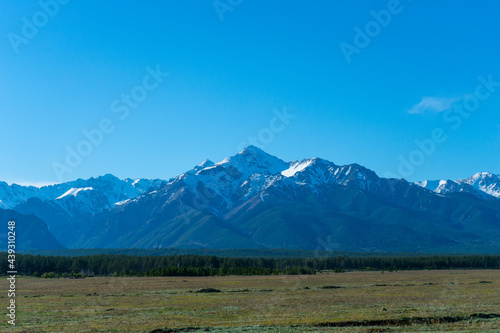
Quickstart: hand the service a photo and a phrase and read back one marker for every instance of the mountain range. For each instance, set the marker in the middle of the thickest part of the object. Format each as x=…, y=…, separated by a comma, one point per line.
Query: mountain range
x=254, y=200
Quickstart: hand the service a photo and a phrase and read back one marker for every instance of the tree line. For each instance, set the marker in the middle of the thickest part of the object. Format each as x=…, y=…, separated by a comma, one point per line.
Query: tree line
x=204, y=265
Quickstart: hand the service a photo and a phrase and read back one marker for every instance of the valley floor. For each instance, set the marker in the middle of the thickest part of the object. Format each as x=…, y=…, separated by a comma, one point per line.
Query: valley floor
x=410, y=301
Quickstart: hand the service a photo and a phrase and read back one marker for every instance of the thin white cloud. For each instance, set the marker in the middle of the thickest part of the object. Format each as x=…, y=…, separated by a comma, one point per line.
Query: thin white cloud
x=433, y=104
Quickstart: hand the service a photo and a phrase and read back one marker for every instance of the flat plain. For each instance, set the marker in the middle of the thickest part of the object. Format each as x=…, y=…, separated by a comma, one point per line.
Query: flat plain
x=406, y=301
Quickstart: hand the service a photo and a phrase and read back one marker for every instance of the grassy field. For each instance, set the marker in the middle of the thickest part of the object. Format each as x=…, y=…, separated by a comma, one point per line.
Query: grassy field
x=465, y=301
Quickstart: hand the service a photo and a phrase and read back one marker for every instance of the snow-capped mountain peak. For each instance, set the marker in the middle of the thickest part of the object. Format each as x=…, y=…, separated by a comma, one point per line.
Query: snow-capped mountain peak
x=253, y=160
x=205, y=164
x=485, y=182
x=483, y=185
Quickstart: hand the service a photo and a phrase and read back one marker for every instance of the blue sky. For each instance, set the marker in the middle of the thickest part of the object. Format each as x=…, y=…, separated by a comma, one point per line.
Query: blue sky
x=388, y=98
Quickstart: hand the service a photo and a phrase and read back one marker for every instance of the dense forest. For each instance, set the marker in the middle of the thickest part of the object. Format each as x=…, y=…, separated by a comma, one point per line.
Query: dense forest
x=199, y=265
x=232, y=253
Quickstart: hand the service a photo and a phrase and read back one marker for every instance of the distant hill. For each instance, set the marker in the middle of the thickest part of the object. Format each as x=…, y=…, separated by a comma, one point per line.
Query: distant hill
x=31, y=232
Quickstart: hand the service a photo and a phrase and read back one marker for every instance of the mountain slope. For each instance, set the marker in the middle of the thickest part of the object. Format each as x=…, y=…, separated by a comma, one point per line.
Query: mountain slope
x=31, y=232
x=256, y=200
x=65, y=207
x=252, y=200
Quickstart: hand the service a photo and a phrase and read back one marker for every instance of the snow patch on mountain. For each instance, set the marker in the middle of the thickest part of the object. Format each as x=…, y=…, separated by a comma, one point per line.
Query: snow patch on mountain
x=296, y=167
x=119, y=203
x=74, y=192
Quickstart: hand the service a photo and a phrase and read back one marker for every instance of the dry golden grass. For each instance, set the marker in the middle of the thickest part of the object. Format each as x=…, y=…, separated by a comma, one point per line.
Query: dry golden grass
x=145, y=304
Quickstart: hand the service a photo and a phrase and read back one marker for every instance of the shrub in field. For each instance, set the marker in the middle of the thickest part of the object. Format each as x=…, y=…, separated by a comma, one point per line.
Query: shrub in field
x=209, y=290
x=50, y=275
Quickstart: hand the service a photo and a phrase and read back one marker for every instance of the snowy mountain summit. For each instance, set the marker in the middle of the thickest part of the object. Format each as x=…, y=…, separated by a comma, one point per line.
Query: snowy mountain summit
x=483, y=185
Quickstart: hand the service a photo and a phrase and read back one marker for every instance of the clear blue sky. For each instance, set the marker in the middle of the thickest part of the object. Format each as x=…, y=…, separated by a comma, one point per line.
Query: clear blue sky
x=227, y=76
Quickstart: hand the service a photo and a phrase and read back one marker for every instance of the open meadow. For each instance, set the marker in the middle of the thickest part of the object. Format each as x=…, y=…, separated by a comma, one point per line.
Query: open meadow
x=452, y=300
